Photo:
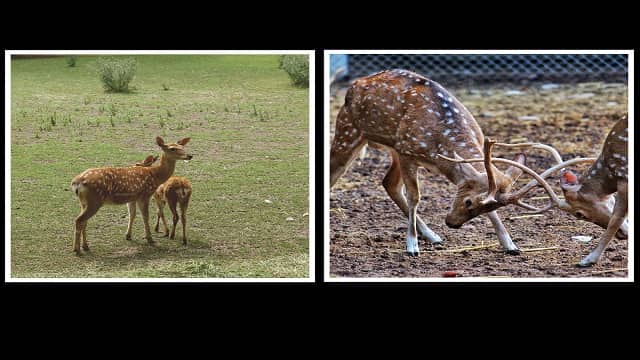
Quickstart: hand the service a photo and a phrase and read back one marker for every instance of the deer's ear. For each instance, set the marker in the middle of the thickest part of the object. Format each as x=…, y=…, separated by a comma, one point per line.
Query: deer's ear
x=159, y=141
x=184, y=141
x=569, y=181
x=467, y=169
x=514, y=172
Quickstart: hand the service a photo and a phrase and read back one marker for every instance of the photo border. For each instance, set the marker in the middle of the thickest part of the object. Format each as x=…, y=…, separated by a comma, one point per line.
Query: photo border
x=311, y=143
x=327, y=147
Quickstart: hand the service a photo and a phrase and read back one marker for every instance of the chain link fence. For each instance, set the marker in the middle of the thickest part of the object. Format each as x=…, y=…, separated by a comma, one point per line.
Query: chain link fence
x=494, y=67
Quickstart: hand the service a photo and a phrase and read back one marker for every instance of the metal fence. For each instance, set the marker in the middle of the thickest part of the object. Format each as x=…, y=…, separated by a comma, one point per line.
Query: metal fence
x=496, y=67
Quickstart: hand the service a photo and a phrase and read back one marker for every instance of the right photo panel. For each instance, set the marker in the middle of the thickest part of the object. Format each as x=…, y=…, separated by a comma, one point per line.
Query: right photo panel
x=479, y=165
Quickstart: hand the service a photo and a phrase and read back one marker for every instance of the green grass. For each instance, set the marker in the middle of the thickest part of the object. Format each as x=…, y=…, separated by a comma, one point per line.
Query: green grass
x=62, y=122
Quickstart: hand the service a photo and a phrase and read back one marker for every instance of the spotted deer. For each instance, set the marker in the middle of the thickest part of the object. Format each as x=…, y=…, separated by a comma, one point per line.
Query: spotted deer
x=590, y=196
x=123, y=185
x=415, y=119
x=176, y=190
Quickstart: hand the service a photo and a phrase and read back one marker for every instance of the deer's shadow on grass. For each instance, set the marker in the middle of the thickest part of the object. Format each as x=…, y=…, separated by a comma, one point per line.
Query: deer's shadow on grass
x=139, y=249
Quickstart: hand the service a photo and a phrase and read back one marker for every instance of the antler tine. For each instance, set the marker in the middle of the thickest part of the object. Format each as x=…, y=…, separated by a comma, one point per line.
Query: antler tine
x=536, y=210
x=526, y=206
x=493, y=188
x=550, y=149
x=533, y=183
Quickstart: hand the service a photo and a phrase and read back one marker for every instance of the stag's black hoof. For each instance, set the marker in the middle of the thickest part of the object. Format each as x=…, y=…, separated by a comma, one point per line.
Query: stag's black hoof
x=514, y=252
x=584, y=264
x=413, y=253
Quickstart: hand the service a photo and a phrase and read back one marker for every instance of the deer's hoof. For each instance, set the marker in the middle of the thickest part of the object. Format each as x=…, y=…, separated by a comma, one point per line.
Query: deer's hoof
x=513, y=252
x=85, y=247
x=584, y=264
x=166, y=234
x=413, y=253
x=128, y=237
x=184, y=242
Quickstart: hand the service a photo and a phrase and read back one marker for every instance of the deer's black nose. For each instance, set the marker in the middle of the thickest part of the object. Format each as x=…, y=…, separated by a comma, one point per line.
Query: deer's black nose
x=189, y=157
x=453, y=226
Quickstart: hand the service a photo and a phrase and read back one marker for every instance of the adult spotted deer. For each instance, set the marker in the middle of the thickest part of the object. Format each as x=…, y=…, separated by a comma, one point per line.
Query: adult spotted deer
x=415, y=119
x=123, y=185
x=589, y=196
x=176, y=190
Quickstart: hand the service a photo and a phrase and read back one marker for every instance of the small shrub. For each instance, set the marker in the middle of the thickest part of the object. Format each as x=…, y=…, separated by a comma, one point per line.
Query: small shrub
x=297, y=66
x=116, y=73
x=71, y=61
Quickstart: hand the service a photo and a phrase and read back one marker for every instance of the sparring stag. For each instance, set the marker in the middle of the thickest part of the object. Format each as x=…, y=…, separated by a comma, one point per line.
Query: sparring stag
x=415, y=120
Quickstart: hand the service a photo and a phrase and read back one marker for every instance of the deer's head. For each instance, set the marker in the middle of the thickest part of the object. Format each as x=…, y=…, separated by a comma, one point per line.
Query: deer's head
x=480, y=193
x=587, y=205
x=174, y=151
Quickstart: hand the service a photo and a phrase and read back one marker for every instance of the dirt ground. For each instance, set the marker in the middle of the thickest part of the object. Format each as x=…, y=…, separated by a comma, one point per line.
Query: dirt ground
x=367, y=230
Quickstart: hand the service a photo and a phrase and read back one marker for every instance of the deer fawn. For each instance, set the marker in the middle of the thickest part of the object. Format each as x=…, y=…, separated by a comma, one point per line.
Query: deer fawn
x=592, y=199
x=123, y=185
x=415, y=119
x=176, y=190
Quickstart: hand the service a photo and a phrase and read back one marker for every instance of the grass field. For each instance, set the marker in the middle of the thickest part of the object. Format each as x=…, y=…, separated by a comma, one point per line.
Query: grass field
x=249, y=137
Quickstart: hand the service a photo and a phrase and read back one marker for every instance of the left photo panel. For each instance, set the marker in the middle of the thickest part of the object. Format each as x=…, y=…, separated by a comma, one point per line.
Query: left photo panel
x=159, y=166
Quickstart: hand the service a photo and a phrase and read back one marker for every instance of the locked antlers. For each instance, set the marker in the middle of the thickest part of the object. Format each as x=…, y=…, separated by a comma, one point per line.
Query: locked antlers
x=515, y=197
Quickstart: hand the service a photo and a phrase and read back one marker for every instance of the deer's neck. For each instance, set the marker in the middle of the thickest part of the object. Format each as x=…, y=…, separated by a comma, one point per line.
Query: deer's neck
x=164, y=171
x=598, y=179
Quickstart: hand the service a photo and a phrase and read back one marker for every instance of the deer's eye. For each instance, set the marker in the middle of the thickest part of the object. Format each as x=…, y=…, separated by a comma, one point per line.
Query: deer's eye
x=468, y=203
x=580, y=215
x=173, y=149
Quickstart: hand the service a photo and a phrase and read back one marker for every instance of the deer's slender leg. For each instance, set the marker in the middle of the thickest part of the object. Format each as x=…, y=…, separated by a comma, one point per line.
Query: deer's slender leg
x=617, y=219
x=410, y=177
x=161, y=204
x=157, y=227
x=184, y=204
x=132, y=215
x=393, y=184
x=143, y=204
x=172, y=201
x=503, y=234
x=85, y=244
x=89, y=209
